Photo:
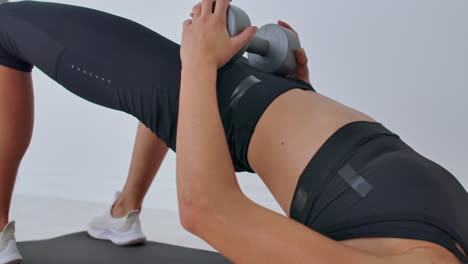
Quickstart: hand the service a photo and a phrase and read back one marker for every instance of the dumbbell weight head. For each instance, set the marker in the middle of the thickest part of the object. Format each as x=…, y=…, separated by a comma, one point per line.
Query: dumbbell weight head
x=237, y=21
x=273, y=49
x=280, y=57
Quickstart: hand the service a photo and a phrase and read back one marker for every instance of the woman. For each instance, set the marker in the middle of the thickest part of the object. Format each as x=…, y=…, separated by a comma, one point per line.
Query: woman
x=333, y=169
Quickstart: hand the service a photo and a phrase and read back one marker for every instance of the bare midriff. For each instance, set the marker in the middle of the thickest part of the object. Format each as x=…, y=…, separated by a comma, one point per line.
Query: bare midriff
x=289, y=134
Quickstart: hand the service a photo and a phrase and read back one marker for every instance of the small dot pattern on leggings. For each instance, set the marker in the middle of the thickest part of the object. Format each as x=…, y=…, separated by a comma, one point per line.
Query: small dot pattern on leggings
x=91, y=74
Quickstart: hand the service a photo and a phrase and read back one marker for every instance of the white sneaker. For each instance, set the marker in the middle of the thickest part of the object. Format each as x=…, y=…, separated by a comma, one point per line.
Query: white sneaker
x=125, y=231
x=8, y=251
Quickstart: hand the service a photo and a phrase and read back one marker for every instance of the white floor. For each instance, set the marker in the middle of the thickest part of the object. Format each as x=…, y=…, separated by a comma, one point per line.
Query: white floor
x=41, y=218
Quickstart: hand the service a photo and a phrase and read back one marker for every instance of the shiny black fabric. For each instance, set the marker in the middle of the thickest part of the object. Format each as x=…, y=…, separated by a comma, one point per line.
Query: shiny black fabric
x=366, y=182
x=117, y=63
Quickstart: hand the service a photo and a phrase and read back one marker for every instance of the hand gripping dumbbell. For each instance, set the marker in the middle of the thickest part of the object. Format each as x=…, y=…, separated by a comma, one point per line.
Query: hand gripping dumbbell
x=273, y=48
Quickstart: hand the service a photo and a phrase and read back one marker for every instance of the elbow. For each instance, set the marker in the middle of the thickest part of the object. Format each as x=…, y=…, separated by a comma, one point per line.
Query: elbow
x=200, y=204
x=190, y=219
x=195, y=206
x=202, y=213
x=194, y=214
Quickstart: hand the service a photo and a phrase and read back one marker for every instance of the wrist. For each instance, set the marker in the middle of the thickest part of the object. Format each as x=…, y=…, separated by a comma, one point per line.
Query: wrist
x=201, y=74
x=195, y=65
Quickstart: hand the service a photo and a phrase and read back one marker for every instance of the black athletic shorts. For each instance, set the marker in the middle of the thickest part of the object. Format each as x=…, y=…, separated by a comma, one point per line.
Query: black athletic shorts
x=117, y=63
x=366, y=182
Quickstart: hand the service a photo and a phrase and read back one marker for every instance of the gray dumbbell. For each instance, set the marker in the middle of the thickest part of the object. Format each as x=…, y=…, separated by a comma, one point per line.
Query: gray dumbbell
x=273, y=49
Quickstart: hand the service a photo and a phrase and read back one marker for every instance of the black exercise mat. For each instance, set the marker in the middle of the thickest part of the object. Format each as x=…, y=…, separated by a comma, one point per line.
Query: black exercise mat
x=79, y=248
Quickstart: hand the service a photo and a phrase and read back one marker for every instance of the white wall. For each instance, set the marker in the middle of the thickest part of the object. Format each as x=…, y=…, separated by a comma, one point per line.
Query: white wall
x=403, y=62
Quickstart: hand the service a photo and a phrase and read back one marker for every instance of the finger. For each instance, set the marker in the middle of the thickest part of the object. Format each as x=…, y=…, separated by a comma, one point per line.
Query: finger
x=222, y=8
x=197, y=8
x=302, y=73
x=196, y=11
x=286, y=25
x=187, y=23
x=244, y=37
x=207, y=7
x=302, y=57
x=194, y=15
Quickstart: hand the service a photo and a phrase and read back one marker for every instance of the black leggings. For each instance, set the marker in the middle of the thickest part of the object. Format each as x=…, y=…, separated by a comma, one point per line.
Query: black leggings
x=117, y=63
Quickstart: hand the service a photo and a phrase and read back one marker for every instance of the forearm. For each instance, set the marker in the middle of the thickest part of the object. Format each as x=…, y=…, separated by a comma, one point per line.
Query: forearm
x=204, y=165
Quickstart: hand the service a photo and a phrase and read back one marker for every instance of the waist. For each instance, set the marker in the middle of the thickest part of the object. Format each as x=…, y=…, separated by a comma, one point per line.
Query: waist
x=243, y=98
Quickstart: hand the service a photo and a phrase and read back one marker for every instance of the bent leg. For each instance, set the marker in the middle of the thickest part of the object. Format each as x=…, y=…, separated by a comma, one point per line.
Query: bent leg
x=148, y=155
x=16, y=126
x=102, y=58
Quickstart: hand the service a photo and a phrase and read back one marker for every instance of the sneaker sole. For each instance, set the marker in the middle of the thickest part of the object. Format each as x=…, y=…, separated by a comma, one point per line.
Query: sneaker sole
x=10, y=255
x=130, y=240
x=11, y=260
x=16, y=261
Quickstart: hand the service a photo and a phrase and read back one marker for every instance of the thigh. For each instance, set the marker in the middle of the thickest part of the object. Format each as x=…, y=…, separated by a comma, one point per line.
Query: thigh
x=103, y=58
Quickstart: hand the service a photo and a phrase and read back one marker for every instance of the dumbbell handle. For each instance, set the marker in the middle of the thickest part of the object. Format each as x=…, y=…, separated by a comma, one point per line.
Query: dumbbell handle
x=259, y=46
